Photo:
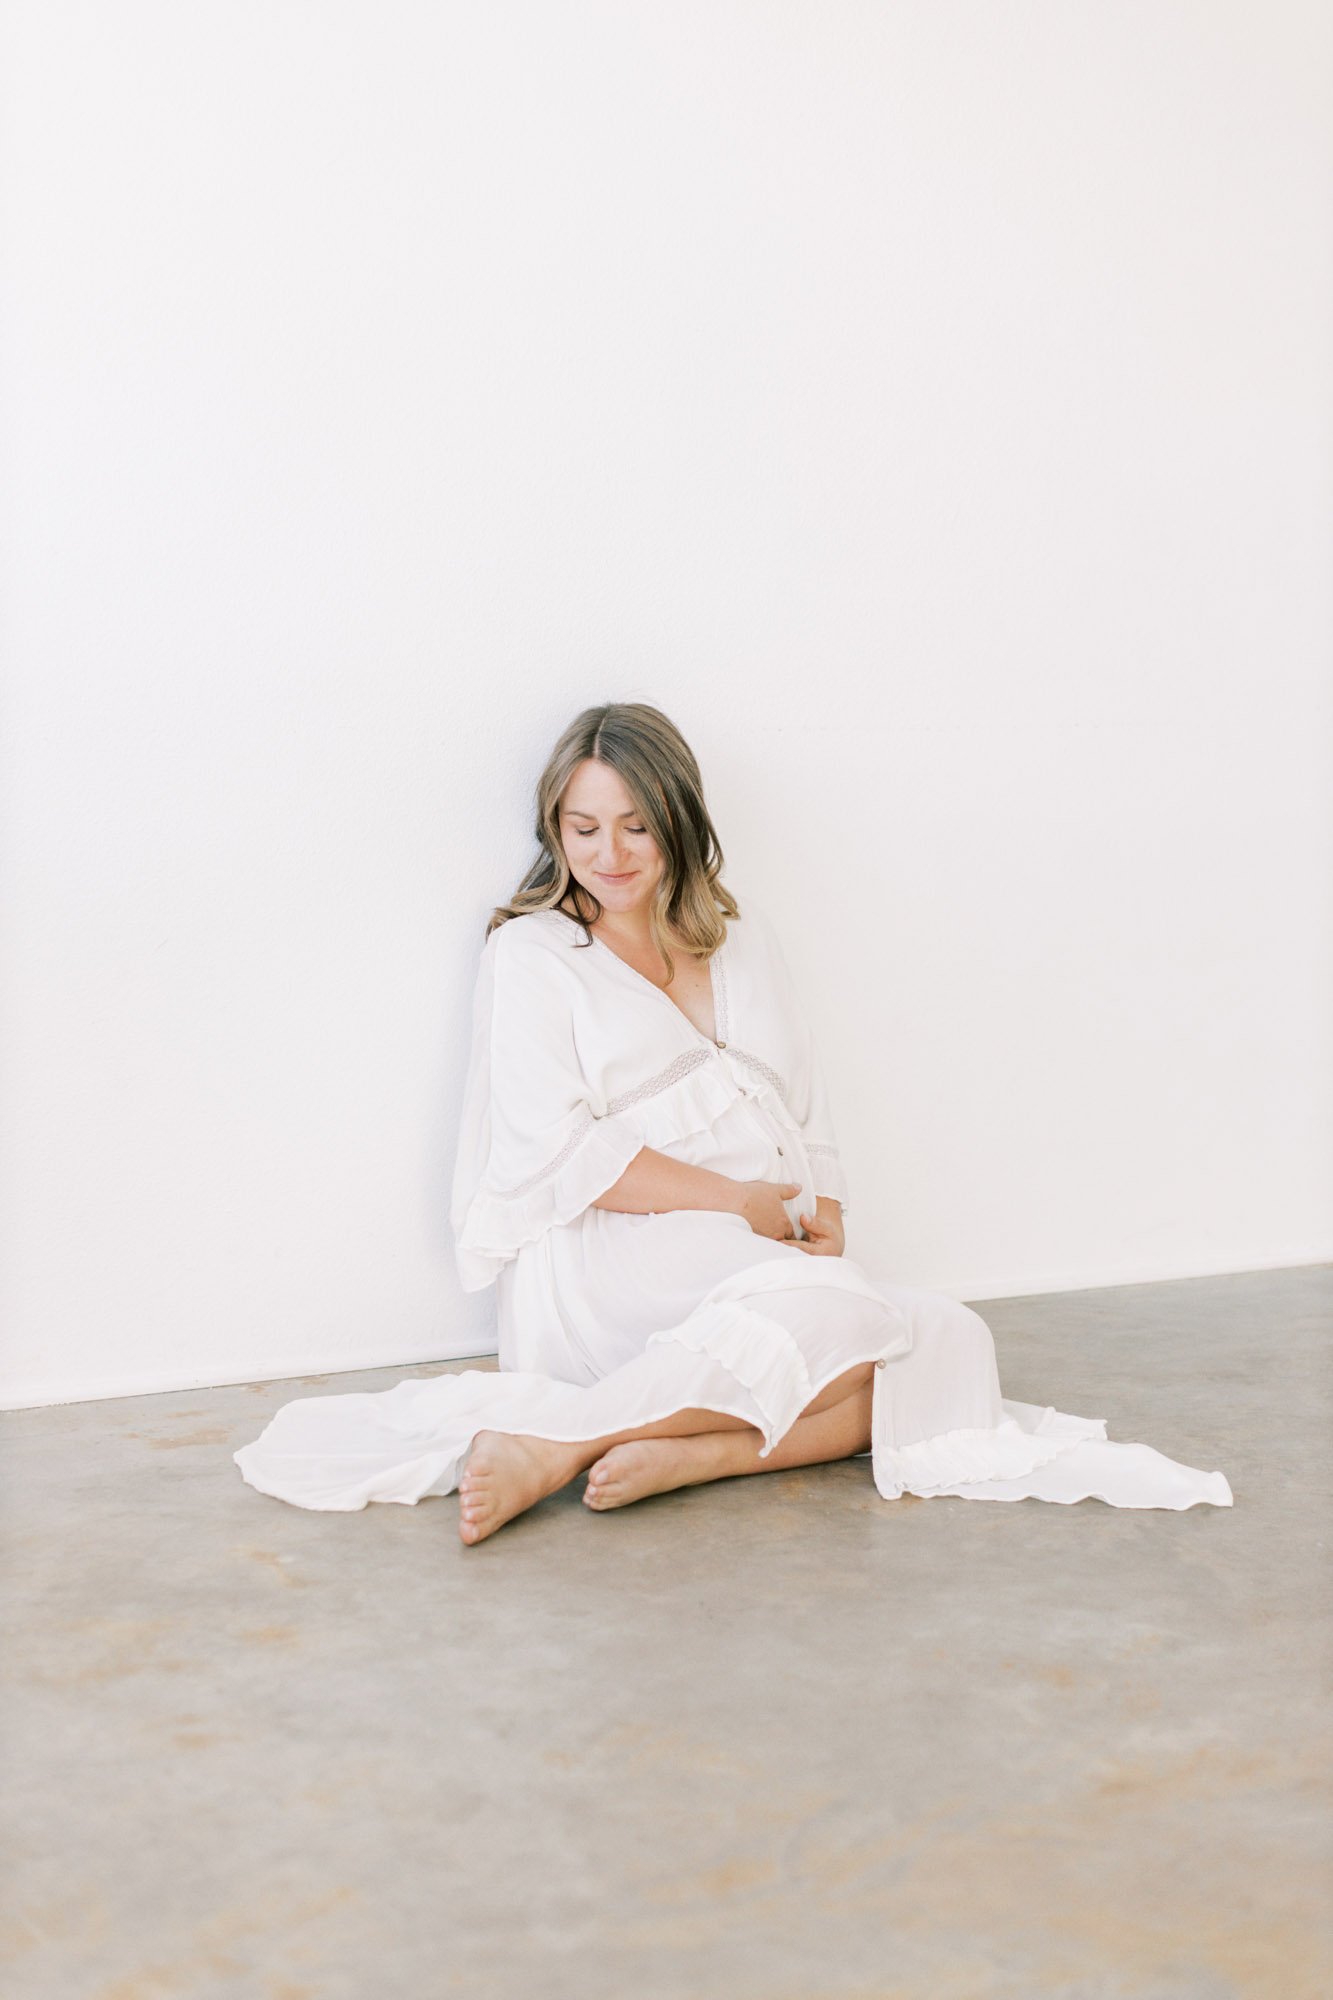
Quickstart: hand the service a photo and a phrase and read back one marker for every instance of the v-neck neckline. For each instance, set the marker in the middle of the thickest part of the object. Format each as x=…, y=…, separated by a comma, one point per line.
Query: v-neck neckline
x=662, y=994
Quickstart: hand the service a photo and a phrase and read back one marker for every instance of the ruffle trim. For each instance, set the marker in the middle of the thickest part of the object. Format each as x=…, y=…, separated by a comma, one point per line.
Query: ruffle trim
x=1005, y=1450
x=496, y=1226
x=759, y=1352
x=827, y=1175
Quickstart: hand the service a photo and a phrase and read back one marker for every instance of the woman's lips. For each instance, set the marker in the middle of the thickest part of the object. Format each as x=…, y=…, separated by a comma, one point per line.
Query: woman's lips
x=629, y=877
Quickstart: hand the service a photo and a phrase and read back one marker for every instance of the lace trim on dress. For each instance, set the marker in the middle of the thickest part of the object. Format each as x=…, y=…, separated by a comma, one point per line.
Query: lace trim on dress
x=571, y=1145
x=682, y=1065
x=764, y=1069
x=679, y=1066
x=721, y=1007
x=818, y=1146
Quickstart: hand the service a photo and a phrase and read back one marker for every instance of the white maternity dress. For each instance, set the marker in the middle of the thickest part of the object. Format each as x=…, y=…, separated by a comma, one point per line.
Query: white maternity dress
x=607, y=1321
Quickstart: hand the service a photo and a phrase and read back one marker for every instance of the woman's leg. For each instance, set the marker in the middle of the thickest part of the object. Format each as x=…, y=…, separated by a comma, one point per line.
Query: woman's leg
x=508, y=1471
x=658, y=1465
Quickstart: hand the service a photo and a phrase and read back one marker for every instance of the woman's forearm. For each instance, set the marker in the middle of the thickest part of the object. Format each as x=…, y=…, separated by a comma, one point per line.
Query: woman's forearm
x=654, y=1182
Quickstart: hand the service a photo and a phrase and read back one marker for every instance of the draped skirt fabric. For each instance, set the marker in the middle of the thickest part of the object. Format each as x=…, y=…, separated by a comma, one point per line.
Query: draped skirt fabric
x=743, y=1325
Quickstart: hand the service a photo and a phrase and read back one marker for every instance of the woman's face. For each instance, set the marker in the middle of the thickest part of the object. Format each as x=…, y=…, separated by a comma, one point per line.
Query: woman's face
x=608, y=847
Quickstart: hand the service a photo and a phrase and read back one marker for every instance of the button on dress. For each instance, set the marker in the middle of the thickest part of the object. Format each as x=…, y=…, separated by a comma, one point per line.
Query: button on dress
x=607, y=1320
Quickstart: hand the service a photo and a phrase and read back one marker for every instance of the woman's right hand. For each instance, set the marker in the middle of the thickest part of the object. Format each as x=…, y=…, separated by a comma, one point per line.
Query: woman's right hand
x=760, y=1202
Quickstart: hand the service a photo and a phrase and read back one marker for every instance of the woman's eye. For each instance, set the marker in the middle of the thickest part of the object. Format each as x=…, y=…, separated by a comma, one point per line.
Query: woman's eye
x=589, y=831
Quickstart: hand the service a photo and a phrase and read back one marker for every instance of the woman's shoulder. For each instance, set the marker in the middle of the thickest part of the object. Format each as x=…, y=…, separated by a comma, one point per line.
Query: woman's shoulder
x=754, y=924
x=759, y=940
x=533, y=934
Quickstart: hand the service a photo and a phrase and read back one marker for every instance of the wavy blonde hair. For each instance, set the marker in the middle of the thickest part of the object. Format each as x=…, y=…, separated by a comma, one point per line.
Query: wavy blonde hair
x=661, y=775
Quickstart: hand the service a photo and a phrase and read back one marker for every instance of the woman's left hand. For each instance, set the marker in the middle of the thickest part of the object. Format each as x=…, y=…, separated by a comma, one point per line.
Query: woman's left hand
x=823, y=1230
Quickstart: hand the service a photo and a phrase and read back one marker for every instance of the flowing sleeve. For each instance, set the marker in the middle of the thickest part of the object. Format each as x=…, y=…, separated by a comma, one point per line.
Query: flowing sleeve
x=808, y=1097
x=531, y=1152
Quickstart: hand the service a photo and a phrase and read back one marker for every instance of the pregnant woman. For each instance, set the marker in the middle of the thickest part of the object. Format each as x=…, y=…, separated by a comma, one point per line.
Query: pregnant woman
x=649, y=1175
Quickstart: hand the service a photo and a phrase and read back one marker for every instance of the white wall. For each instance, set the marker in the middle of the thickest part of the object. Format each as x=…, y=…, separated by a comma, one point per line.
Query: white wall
x=928, y=405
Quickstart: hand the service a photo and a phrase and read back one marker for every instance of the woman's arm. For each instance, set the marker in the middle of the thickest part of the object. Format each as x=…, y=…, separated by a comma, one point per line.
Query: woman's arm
x=653, y=1182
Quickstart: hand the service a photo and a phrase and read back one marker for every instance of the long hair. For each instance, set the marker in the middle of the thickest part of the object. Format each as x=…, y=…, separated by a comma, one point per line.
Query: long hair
x=659, y=771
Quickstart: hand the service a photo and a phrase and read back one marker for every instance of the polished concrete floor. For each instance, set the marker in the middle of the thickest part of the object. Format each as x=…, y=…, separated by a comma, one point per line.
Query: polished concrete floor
x=768, y=1739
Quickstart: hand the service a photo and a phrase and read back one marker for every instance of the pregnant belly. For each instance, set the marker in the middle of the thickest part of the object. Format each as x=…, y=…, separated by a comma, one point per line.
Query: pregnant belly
x=622, y=1277
x=632, y=1273
x=587, y=1295
x=749, y=1144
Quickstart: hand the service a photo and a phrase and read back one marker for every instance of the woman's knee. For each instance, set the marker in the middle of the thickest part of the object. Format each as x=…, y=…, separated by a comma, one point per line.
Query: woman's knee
x=840, y=1387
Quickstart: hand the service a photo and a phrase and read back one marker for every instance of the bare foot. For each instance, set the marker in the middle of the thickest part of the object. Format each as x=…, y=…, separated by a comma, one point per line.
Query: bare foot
x=648, y=1465
x=506, y=1473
